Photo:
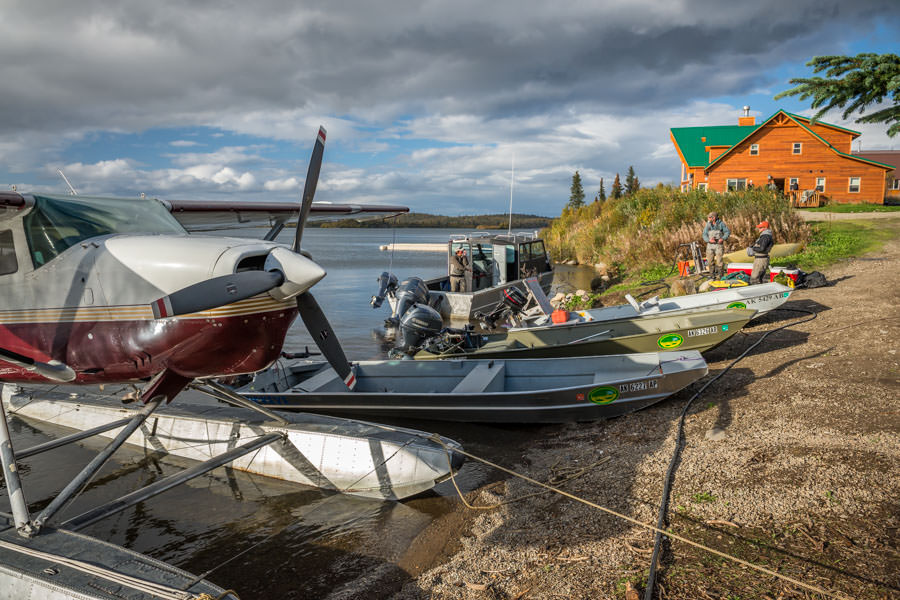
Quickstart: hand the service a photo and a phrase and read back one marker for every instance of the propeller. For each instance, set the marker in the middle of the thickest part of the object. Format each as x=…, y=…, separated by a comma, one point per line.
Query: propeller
x=53, y=370
x=216, y=292
x=315, y=320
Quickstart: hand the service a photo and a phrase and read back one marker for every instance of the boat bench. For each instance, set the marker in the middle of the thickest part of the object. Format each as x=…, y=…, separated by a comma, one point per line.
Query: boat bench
x=325, y=380
x=485, y=377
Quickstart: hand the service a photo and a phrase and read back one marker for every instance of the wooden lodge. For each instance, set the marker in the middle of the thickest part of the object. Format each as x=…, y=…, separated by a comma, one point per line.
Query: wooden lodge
x=809, y=162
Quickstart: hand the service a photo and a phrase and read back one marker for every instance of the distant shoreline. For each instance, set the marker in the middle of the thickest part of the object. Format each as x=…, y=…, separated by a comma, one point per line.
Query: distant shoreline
x=424, y=220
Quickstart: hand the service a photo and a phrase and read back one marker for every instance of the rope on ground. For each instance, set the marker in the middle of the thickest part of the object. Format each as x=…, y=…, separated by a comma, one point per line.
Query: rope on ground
x=674, y=536
x=679, y=438
x=658, y=530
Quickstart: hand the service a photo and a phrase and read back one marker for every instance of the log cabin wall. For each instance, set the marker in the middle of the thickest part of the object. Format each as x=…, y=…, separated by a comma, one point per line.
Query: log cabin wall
x=776, y=158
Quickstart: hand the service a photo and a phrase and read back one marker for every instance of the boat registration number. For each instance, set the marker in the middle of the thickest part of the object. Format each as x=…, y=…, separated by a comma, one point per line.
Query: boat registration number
x=703, y=331
x=639, y=386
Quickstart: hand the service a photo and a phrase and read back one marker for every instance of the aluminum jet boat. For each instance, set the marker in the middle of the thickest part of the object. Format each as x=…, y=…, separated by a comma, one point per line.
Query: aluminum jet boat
x=497, y=261
x=685, y=330
x=550, y=390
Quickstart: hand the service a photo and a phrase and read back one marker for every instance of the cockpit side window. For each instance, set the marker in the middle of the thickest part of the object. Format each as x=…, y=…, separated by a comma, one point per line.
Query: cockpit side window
x=8, y=262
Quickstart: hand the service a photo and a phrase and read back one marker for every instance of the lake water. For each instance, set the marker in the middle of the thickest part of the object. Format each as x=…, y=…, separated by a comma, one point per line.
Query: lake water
x=262, y=537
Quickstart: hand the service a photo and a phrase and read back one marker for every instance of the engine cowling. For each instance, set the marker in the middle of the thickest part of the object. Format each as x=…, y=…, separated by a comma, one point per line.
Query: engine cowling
x=418, y=324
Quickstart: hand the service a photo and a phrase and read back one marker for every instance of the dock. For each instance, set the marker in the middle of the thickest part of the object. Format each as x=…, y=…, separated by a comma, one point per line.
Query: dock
x=415, y=247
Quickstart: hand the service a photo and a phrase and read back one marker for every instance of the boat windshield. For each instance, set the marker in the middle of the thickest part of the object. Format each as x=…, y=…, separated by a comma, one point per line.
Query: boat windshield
x=56, y=223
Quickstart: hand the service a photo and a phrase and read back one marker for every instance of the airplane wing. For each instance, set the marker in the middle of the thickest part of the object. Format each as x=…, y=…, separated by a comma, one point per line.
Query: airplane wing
x=197, y=215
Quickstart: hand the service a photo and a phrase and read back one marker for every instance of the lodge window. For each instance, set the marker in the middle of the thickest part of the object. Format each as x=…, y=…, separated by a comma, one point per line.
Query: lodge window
x=820, y=184
x=854, y=185
x=793, y=183
x=8, y=262
x=736, y=184
x=754, y=149
x=702, y=186
x=895, y=185
x=798, y=148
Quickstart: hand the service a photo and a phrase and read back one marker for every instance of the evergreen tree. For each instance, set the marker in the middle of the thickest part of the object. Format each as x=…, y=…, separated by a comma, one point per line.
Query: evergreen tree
x=631, y=182
x=616, y=187
x=576, y=192
x=601, y=195
x=859, y=81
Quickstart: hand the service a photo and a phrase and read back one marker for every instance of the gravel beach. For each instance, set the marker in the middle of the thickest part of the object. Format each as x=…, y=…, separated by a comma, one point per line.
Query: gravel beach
x=791, y=461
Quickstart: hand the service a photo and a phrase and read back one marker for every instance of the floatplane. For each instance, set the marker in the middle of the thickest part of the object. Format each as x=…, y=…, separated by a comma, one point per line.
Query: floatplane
x=105, y=290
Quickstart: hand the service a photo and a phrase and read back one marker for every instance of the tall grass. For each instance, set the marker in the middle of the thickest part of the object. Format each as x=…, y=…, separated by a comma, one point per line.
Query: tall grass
x=646, y=228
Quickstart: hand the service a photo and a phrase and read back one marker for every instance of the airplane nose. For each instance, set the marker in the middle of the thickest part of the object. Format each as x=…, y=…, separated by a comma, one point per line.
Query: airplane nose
x=300, y=273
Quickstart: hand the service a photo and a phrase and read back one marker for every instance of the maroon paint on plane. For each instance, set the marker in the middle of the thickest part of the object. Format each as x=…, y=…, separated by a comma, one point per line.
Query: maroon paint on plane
x=117, y=351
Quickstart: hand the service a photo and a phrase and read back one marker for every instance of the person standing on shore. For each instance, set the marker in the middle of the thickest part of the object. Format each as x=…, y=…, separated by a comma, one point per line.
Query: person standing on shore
x=714, y=234
x=760, y=253
x=459, y=264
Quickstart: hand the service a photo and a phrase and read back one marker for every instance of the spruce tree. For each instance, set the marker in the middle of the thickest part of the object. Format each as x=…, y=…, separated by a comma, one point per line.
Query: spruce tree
x=601, y=195
x=576, y=192
x=616, y=187
x=853, y=83
x=631, y=182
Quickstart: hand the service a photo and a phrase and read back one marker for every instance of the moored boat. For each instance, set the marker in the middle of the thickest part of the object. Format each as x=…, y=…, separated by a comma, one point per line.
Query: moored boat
x=550, y=390
x=686, y=330
x=496, y=262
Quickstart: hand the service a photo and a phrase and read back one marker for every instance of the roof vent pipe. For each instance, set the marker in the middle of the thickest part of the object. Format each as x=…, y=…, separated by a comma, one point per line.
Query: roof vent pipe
x=746, y=111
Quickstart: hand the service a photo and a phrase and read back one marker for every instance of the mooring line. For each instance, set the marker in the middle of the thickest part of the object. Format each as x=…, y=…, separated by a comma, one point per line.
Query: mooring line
x=658, y=530
x=674, y=536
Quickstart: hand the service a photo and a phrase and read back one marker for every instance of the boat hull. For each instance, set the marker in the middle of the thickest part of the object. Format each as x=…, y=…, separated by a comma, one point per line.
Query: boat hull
x=696, y=330
x=520, y=391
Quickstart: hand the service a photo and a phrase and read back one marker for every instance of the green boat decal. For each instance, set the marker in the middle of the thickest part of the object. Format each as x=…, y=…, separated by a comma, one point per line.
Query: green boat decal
x=603, y=395
x=672, y=340
x=736, y=305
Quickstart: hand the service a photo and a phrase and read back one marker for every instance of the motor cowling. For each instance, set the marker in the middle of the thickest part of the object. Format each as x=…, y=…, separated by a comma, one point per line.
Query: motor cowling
x=418, y=324
x=410, y=292
x=510, y=306
x=387, y=284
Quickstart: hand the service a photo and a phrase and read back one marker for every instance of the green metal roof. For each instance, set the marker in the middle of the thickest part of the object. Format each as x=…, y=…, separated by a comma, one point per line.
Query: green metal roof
x=694, y=151
x=689, y=140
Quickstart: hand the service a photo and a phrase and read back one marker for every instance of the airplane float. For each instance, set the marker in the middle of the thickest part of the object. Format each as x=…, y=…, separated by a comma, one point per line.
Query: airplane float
x=101, y=290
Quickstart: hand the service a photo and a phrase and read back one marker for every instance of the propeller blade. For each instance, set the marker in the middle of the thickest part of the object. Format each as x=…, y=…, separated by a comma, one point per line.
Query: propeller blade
x=216, y=292
x=53, y=370
x=320, y=329
x=309, y=188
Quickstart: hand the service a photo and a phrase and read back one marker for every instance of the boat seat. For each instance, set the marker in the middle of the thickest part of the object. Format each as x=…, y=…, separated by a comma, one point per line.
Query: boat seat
x=534, y=287
x=485, y=377
x=325, y=380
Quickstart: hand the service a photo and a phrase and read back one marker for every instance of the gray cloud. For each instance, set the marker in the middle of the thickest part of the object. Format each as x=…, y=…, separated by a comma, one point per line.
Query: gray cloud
x=588, y=85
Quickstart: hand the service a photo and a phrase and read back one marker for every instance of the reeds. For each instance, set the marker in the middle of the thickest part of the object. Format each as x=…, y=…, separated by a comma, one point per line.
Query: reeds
x=647, y=227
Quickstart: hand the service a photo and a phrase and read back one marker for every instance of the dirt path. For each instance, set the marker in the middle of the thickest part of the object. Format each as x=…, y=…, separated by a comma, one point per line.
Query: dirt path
x=832, y=216
x=791, y=460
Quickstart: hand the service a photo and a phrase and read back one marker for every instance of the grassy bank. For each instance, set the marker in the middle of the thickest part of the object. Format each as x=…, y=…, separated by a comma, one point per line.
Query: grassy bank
x=854, y=208
x=644, y=230
x=840, y=240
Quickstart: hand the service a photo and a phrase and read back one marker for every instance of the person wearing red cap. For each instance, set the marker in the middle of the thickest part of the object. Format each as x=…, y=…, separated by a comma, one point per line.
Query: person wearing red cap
x=760, y=253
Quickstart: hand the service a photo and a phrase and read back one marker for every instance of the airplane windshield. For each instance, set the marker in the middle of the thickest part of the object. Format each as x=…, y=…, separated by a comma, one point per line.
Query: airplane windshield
x=56, y=223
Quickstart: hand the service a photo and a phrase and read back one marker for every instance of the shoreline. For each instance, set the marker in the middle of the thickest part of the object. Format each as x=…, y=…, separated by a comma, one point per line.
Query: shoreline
x=787, y=463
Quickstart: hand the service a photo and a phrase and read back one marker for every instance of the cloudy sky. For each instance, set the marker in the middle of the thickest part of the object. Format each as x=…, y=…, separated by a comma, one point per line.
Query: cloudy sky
x=426, y=104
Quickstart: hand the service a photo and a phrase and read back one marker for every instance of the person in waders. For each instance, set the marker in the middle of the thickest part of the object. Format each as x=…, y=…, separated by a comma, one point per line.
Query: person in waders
x=760, y=253
x=458, y=267
x=714, y=234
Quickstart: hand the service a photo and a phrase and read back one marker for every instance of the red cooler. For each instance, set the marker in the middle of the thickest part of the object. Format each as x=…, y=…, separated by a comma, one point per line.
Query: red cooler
x=737, y=267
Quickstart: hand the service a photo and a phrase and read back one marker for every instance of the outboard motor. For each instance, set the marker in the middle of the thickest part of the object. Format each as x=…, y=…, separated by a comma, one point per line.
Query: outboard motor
x=387, y=285
x=510, y=306
x=410, y=292
x=420, y=323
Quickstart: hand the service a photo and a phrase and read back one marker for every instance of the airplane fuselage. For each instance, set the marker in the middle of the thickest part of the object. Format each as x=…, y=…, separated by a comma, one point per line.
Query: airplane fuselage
x=85, y=300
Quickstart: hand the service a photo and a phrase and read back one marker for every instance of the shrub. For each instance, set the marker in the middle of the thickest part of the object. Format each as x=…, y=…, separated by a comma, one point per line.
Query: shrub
x=645, y=228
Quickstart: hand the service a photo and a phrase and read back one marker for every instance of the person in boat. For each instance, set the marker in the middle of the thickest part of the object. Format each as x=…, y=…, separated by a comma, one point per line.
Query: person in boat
x=760, y=253
x=458, y=267
x=714, y=234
